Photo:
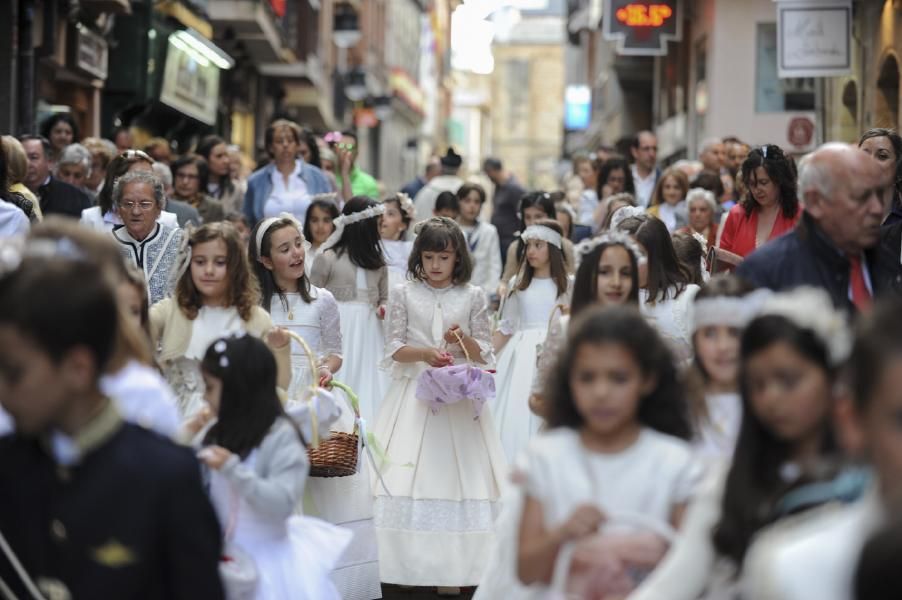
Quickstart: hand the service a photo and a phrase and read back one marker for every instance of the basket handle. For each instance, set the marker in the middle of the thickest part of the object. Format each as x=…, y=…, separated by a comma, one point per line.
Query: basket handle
x=308, y=352
x=463, y=346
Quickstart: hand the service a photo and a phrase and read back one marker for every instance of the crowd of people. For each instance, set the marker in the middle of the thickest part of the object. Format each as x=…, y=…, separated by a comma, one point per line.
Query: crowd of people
x=659, y=381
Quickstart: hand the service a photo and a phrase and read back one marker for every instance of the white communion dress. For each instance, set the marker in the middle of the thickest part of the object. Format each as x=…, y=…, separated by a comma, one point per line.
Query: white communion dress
x=444, y=469
x=344, y=501
x=525, y=318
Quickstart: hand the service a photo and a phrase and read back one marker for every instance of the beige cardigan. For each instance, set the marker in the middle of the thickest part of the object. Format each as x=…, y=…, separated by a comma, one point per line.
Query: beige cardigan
x=339, y=275
x=171, y=333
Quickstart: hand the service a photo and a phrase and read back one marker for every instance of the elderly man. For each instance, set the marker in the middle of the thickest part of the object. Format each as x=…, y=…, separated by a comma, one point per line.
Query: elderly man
x=712, y=154
x=55, y=196
x=644, y=149
x=841, y=188
x=151, y=246
x=74, y=167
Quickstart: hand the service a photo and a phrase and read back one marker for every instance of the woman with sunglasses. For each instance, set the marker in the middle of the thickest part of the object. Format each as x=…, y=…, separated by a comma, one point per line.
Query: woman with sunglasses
x=104, y=216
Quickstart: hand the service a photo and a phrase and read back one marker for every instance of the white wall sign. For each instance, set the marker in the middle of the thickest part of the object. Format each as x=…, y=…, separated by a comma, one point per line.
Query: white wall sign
x=814, y=38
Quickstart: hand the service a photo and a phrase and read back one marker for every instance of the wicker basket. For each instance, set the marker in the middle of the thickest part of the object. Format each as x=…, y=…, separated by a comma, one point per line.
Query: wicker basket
x=336, y=456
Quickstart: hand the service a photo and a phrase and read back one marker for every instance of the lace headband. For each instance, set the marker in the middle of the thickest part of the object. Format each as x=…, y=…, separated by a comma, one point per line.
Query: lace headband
x=812, y=309
x=730, y=311
x=345, y=220
x=405, y=202
x=545, y=234
x=615, y=238
x=267, y=223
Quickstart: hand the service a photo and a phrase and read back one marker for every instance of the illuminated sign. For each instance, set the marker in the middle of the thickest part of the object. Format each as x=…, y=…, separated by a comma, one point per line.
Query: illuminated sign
x=577, y=107
x=642, y=28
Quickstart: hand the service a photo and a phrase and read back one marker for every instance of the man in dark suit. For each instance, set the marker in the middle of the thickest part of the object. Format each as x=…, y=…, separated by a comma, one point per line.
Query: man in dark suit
x=833, y=246
x=55, y=196
x=91, y=506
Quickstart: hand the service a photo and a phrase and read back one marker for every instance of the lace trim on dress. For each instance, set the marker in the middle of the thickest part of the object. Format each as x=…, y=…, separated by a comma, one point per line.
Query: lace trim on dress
x=434, y=515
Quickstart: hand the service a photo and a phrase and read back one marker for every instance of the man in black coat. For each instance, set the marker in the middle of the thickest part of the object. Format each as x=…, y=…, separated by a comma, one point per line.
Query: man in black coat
x=506, y=203
x=55, y=196
x=91, y=506
x=833, y=247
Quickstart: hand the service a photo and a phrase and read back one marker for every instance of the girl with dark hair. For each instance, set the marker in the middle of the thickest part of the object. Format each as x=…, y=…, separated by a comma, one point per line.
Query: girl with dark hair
x=615, y=177
x=436, y=527
x=256, y=458
x=190, y=175
x=615, y=459
x=319, y=224
x=395, y=229
x=61, y=130
x=220, y=185
x=885, y=145
x=215, y=295
x=692, y=251
x=351, y=265
x=789, y=355
x=770, y=207
x=543, y=284
x=482, y=237
x=666, y=293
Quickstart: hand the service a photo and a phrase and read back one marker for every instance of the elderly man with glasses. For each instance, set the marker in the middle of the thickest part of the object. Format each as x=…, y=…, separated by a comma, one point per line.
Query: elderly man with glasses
x=149, y=245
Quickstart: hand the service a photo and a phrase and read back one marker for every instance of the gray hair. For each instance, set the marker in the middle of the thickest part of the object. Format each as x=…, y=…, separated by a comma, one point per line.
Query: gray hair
x=702, y=194
x=706, y=145
x=138, y=177
x=815, y=176
x=75, y=154
x=163, y=173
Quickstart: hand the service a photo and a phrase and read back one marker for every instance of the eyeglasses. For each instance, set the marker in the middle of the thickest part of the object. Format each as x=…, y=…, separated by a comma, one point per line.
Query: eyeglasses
x=348, y=147
x=136, y=155
x=144, y=205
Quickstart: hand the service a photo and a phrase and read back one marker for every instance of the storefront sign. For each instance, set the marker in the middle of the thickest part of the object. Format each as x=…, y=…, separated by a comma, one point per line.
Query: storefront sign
x=405, y=88
x=814, y=38
x=190, y=82
x=642, y=28
x=91, y=52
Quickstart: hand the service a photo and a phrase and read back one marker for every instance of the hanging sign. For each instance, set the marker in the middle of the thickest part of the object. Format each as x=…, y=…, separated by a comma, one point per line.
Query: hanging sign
x=642, y=28
x=813, y=38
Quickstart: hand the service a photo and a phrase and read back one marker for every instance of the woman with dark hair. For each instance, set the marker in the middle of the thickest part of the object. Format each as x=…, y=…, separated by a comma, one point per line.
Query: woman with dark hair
x=62, y=130
x=885, y=145
x=308, y=149
x=667, y=290
x=790, y=355
x=615, y=177
x=351, y=265
x=190, y=175
x=220, y=185
x=769, y=209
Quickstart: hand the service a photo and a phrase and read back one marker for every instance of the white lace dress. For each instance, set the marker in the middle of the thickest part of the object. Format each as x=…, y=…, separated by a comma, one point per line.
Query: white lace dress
x=445, y=470
x=345, y=501
x=525, y=318
x=397, y=253
x=671, y=318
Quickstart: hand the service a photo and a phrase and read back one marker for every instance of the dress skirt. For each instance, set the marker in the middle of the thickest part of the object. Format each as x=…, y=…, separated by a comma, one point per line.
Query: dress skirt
x=362, y=347
x=517, y=424
x=446, y=472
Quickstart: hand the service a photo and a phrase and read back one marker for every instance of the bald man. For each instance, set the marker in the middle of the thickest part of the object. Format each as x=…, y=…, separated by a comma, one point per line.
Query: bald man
x=842, y=191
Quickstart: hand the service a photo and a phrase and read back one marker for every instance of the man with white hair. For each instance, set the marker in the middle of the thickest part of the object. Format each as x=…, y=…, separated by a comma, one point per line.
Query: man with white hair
x=712, y=154
x=841, y=189
x=74, y=167
x=184, y=212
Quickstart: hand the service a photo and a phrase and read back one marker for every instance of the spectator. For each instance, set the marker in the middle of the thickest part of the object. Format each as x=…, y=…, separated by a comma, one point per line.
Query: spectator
x=702, y=208
x=54, y=196
x=885, y=145
x=587, y=171
x=122, y=137
x=189, y=176
x=736, y=152
x=644, y=151
x=61, y=130
x=668, y=202
x=184, y=212
x=448, y=181
x=13, y=219
x=102, y=152
x=74, y=167
x=309, y=149
x=505, y=201
x=712, y=155
x=220, y=185
x=841, y=189
x=354, y=180
x=158, y=149
x=433, y=168
x=16, y=171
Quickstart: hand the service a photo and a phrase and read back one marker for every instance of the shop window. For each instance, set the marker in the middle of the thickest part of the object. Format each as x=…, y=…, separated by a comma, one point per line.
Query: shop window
x=887, y=100
x=773, y=94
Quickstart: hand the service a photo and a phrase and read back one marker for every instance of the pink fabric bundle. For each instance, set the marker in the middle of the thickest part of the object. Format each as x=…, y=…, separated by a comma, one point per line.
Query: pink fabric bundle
x=438, y=386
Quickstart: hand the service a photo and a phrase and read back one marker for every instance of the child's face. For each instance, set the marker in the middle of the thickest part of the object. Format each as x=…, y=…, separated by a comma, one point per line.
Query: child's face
x=286, y=256
x=607, y=386
x=470, y=206
x=212, y=391
x=447, y=212
x=131, y=301
x=788, y=393
x=615, y=276
x=33, y=389
x=537, y=254
x=210, y=271
x=717, y=349
x=533, y=214
x=321, y=226
x=439, y=266
x=391, y=225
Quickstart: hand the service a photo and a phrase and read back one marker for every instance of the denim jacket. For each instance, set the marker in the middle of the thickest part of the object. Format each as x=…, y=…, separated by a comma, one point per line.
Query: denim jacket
x=259, y=187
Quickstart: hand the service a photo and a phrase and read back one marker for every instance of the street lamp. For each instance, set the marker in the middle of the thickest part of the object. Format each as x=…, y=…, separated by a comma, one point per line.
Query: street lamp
x=355, y=84
x=382, y=107
x=345, y=26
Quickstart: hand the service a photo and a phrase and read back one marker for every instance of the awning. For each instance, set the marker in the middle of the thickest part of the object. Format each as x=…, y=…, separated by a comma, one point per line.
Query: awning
x=116, y=7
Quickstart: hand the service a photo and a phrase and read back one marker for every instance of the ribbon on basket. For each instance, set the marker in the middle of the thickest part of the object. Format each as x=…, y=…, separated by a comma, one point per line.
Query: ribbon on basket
x=440, y=386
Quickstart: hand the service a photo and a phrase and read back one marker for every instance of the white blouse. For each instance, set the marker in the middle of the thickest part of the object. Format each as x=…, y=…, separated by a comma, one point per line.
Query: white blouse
x=672, y=319
x=716, y=438
x=292, y=198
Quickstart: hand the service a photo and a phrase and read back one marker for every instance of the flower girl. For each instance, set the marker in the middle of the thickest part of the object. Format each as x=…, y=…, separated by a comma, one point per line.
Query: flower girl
x=443, y=467
x=542, y=285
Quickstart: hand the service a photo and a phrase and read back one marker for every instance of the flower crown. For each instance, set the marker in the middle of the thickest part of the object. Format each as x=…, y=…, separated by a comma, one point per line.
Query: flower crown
x=730, y=311
x=625, y=212
x=404, y=201
x=614, y=238
x=345, y=220
x=543, y=233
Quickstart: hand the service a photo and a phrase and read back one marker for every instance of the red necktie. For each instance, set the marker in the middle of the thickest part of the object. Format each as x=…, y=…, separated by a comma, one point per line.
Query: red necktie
x=861, y=295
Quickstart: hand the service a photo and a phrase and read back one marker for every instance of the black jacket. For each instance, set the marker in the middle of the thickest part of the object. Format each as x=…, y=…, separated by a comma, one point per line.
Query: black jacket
x=806, y=257
x=59, y=198
x=888, y=259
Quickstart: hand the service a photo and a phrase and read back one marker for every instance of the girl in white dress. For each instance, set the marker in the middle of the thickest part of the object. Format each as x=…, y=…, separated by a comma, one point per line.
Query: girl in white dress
x=351, y=265
x=444, y=469
x=258, y=467
x=615, y=463
x=394, y=227
x=277, y=252
x=215, y=295
x=666, y=295
x=542, y=285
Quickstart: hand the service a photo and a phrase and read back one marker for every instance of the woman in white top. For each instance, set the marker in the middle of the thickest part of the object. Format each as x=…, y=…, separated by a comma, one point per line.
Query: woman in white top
x=397, y=237
x=666, y=295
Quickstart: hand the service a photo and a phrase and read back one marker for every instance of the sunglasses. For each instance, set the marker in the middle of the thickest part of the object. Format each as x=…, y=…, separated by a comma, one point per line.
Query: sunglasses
x=348, y=147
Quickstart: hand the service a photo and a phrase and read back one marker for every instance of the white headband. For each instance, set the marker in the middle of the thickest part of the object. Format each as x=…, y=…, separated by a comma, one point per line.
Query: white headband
x=812, y=309
x=614, y=238
x=730, y=311
x=623, y=213
x=545, y=234
x=405, y=202
x=345, y=220
x=267, y=223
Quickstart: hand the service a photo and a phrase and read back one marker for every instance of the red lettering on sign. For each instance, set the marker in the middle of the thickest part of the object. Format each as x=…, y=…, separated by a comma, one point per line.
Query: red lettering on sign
x=644, y=15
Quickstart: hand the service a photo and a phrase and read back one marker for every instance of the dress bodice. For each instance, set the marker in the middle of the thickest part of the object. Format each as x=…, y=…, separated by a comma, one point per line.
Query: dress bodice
x=530, y=308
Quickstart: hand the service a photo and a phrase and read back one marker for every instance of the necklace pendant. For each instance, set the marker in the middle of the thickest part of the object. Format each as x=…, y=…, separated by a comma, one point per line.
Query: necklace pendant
x=291, y=315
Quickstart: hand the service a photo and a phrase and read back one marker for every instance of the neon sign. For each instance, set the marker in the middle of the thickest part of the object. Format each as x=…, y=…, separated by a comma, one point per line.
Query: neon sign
x=644, y=15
